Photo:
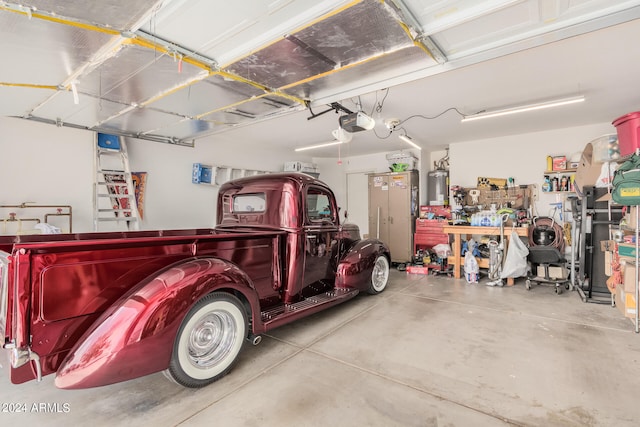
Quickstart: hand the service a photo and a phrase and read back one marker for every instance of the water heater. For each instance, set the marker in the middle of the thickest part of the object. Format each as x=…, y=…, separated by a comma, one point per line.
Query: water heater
x=438, y=187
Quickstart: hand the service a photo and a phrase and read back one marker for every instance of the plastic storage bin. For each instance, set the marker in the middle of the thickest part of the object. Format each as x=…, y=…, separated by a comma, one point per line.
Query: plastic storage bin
x=606, y=148
x=628, y=129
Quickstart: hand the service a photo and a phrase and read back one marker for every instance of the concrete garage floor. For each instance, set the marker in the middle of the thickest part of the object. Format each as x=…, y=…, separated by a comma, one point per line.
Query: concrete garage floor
x=429, y=351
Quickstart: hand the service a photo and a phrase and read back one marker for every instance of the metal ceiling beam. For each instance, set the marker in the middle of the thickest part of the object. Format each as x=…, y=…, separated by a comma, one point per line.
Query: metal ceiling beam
x=180, y=53
x=455, y=16
x=152, y=41
x=46, y=16
x=107, y=51
x=146, y=137
x=464, y=59
x=415, y=32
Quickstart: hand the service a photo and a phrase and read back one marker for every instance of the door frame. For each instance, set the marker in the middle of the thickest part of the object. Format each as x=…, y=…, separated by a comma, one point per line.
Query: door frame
x=365, y=208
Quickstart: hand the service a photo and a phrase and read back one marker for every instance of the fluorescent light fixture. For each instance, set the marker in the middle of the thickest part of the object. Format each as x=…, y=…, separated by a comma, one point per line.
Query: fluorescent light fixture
x=311, y=147
x=409, y=141
x=523, y=108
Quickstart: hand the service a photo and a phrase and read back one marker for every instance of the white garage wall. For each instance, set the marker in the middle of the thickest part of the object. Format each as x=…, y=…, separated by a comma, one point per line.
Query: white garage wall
x=171, y=200
x=522, y=157
x=45, y=164
x=335, y=175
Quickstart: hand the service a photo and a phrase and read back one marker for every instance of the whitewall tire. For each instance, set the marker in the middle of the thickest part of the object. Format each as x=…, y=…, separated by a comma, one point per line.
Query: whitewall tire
x=379, y=275
x=209, y=340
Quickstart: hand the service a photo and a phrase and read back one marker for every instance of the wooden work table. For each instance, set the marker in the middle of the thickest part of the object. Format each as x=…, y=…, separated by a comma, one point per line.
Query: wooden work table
x=458, y=230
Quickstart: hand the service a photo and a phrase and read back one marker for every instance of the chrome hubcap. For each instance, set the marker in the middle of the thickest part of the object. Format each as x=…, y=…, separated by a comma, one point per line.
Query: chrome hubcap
x=211, y=339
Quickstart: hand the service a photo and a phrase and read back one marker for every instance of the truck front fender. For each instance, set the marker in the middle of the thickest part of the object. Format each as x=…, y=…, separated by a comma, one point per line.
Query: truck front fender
x=355, y=267
x=135, y=336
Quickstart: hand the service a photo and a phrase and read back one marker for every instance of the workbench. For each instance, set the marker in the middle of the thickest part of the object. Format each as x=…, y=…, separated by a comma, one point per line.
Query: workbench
x=458, y=230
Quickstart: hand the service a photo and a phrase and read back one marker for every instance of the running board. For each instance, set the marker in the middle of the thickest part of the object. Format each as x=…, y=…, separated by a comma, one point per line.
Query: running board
x=281, y=314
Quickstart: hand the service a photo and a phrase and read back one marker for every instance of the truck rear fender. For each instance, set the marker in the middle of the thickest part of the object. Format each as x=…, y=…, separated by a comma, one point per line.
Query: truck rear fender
x=135, y=336
x=355, y=267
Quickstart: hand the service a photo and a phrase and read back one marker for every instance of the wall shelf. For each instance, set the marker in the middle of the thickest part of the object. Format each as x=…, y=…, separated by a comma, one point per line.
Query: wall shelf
x=559, y=175
x=560, y=172
x=218, y=175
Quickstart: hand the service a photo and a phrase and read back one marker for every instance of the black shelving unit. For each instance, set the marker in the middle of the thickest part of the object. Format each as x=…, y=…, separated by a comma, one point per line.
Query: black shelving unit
x=593, y=222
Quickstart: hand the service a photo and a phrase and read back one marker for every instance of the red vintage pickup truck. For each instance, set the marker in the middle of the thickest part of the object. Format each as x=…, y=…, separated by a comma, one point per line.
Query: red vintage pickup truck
x=99, y=308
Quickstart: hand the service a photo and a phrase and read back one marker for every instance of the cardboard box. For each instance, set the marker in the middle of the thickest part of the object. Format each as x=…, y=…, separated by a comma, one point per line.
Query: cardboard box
x=625, y=302
x=629, y=305
x=607, y=245
x=629, y=277
x=608, y=260
x=627, y=249
x=588, y=170
x=559, y=163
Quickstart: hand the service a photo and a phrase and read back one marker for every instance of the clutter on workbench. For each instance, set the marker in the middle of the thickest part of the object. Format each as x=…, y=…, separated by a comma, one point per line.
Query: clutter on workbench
x=484, y=206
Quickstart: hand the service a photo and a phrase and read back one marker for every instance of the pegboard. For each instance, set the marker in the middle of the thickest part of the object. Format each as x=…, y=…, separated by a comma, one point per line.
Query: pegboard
x=514, y=197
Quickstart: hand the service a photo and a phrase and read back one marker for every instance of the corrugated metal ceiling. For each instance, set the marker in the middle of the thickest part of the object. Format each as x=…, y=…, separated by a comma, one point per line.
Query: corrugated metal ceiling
x=175, y=71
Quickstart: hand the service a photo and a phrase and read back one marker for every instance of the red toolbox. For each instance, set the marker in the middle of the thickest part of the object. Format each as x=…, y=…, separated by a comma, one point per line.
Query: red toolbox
x=429, y=233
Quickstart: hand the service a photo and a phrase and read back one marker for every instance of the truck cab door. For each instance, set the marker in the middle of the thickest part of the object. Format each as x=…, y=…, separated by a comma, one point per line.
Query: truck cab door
x=321, y=246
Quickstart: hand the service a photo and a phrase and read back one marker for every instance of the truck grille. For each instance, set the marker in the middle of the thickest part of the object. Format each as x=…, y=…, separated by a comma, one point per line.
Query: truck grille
x=4, y=277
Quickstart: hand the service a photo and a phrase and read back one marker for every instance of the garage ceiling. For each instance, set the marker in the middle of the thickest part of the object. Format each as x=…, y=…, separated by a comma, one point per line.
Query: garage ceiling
x=179, y=71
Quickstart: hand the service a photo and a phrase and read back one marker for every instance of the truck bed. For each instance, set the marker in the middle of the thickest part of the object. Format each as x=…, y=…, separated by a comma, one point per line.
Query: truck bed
x=9, y=241
x=75, y=277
